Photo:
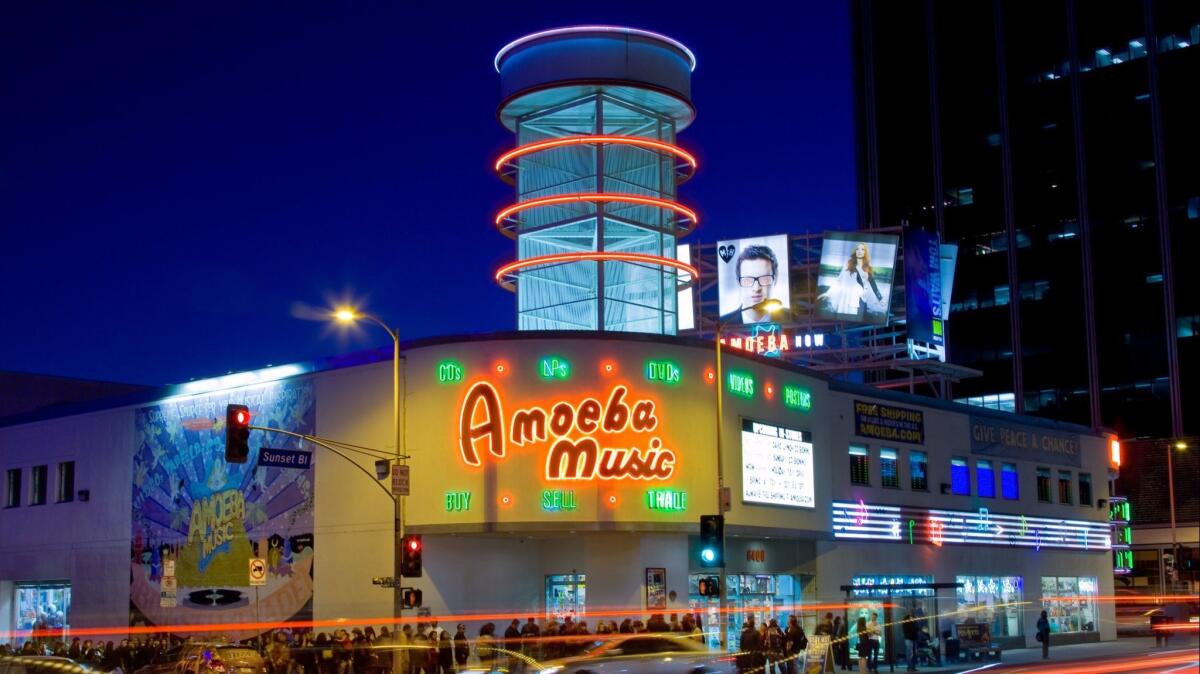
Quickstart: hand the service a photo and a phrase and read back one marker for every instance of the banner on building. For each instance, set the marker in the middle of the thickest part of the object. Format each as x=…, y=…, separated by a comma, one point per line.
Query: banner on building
x=205, y=519
x=995, y=437
x=749, y=272
x=923, y=286
x=887, y=422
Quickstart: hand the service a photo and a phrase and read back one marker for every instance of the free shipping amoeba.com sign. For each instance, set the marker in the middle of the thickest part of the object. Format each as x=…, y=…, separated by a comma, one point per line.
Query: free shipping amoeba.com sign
x=887, y=422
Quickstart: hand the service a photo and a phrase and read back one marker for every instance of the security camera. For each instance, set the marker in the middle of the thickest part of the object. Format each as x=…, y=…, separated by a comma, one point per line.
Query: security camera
x=383, y=468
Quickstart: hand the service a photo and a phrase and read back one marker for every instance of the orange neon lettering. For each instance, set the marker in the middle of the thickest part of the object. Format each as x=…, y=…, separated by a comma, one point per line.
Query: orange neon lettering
x=481, y=396
x=643, y=416
x=616, y=413
x=528, y=426
x=562, y=418
x=579, y=457
x=589, y=416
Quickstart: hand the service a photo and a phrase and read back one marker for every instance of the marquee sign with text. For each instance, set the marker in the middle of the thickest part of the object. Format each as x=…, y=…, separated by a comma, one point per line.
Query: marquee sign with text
x=1018, y=441
x=925, y=526
x=608, y=436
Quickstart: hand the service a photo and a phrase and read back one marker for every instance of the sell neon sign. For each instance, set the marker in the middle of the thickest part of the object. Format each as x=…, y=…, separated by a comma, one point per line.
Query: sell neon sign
x=575, y=432
x=863, y=521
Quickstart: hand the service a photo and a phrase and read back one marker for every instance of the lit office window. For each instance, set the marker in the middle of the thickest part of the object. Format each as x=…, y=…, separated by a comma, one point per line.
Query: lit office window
x=1010, y=484
x=985, y=479
x=889, y=468
x=1064, y=486
x=918, y=471
x=37, y=485
x=66, y=481
x=12, y=497
x=1043, y=484
x=1085, y=489
x=960, y=476
x=860, y=471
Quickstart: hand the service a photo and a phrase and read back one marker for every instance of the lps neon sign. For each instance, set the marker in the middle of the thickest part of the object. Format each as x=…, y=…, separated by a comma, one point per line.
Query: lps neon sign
x=579, y=434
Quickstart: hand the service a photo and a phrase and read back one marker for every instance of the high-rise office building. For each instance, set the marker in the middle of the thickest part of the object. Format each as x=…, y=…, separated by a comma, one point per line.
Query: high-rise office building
x=1057, y=144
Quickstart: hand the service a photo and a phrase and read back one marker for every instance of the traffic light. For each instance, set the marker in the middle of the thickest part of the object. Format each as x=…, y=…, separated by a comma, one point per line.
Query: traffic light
x=410, y=557
x=712, y=541
x=237, y=433
x=709, y=586
x=411, y=598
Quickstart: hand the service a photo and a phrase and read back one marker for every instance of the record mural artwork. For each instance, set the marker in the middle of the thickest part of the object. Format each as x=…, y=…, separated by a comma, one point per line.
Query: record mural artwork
x=198, y=521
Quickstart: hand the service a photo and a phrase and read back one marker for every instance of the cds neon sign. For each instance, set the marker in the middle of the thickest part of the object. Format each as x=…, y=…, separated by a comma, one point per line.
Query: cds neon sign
x=581, y=434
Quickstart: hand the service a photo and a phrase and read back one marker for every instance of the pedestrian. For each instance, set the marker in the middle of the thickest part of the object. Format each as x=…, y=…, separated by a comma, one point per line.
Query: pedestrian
x=748, y=647
x=485, y=646
x=874, y=633
x=529, y=638
x=626, y=627
x=825, y=627
x=908, y=626
x=462, y=646
x=675, y=626
x=404, y=644
x=445, y=654
x=797, y=642
x=1043, y=635
x=863, y=647
x=841, y=644
x=773, y=648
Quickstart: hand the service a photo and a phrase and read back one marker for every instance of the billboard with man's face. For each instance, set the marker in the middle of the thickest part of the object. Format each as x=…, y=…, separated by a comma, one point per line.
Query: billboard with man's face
x=855, y=281
x=749, y=272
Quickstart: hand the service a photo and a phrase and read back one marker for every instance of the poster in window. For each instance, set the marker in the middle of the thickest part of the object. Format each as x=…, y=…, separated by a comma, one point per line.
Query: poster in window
x=656, y=588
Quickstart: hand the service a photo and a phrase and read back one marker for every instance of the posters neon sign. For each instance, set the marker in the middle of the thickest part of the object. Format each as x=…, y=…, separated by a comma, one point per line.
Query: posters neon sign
x=574, y=431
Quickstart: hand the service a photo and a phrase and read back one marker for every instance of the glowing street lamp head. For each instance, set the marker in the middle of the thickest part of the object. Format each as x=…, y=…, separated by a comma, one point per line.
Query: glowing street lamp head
x=772, y=306
x=345, y=315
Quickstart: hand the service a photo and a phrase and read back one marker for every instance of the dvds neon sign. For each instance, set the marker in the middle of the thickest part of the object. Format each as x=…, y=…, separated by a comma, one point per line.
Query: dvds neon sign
x=580, y=434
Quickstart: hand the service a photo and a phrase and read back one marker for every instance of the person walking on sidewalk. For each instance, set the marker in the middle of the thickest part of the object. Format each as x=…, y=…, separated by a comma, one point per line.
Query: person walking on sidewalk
x=909, y=627
x=1043, y=635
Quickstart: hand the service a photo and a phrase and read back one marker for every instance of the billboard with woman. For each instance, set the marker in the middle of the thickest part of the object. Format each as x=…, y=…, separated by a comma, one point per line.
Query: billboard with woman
x=855, y=281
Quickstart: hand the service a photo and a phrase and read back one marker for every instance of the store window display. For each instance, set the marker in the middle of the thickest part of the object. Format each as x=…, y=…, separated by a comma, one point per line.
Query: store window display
x=1070, y=603
x=43, y=606
x=994, y=601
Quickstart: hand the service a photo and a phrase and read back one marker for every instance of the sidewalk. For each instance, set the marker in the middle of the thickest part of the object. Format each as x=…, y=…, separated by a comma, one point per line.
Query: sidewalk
x=1023, y=656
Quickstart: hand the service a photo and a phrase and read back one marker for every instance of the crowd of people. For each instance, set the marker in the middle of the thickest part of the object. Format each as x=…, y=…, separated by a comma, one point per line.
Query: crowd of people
x=127, y=655
x=768, y=647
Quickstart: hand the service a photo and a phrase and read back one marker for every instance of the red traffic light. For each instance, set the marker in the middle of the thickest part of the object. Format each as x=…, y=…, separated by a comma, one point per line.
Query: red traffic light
x=242, y=417
x=414, y=544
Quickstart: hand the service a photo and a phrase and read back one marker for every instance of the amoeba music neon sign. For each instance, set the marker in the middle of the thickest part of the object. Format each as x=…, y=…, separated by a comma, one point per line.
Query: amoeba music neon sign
x=902, y=524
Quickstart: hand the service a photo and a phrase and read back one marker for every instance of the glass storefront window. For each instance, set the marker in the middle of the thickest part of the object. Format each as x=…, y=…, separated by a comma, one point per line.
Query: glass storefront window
x=1070, y=603
x=870, y=593
x=748, y=595
x=566, y=595
x=992, y=600
x=43, y=606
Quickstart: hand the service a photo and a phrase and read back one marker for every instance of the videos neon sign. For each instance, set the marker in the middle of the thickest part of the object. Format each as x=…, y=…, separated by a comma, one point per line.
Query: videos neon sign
x=863, y=521
x=579, y=434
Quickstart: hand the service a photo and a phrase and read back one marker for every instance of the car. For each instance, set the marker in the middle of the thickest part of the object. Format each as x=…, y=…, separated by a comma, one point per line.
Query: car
x=207, y=658
x=633, y=653
x=42, y=664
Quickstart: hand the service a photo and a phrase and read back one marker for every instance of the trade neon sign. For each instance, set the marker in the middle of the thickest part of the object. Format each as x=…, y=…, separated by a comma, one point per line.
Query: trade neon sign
x=606, y=437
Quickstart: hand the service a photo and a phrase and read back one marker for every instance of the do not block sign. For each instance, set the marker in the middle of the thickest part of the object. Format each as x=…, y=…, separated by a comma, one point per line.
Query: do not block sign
x=258, y=572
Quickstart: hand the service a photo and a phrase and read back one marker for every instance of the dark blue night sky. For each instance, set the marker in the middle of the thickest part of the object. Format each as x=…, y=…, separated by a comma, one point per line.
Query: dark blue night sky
x=175, y=176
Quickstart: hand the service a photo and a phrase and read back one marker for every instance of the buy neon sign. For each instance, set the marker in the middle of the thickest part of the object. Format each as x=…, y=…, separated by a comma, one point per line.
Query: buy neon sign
x=584, y=437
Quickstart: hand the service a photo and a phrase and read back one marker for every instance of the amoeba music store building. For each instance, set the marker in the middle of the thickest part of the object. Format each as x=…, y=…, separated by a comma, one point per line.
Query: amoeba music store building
x=558, y=474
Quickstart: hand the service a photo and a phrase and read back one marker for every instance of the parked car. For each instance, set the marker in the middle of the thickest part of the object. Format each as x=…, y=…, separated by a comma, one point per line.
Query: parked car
x=206, y=658
x=634, y=653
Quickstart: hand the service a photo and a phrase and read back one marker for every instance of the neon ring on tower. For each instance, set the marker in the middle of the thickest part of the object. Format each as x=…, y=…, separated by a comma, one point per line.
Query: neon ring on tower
x=685, y=170
x=508, y=274
x=505, y=216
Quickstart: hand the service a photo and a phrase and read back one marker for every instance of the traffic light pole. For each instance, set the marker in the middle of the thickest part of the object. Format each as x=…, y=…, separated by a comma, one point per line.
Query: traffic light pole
x=331, y=445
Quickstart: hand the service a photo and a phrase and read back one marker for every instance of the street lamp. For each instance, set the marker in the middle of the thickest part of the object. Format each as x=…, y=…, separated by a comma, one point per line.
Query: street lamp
x=767, y=306
x=1171, y=447
x=348, y=315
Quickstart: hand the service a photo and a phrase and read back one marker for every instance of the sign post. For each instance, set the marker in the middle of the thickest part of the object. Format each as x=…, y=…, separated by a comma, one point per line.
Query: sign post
x=400, y=484
x=258, y=572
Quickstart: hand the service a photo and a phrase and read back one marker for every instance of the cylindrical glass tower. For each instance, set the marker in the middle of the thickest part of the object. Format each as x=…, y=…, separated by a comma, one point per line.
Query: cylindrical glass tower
x=595, y=110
